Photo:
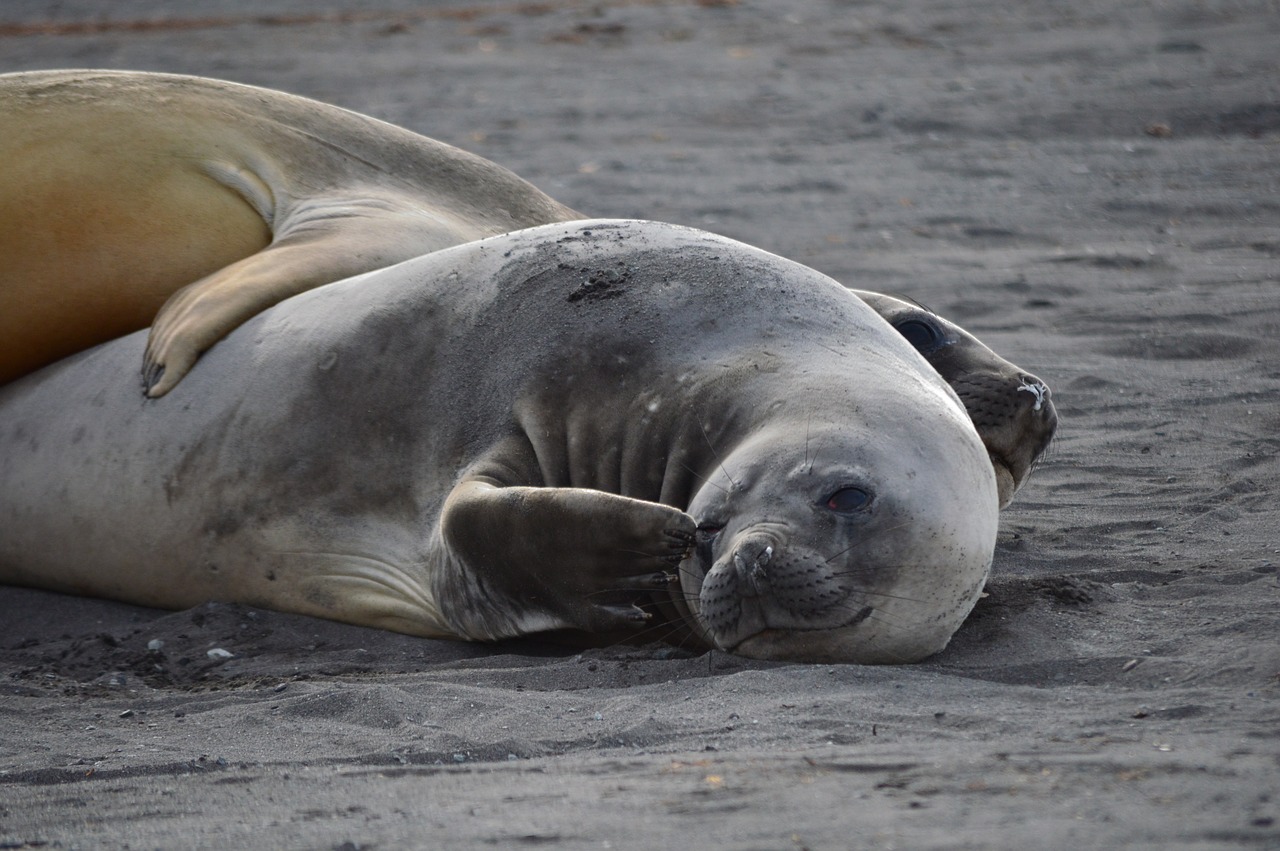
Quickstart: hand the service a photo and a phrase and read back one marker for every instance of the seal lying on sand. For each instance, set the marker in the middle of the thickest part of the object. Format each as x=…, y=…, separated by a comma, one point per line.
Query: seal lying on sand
x=527, y=433
x=118, y=189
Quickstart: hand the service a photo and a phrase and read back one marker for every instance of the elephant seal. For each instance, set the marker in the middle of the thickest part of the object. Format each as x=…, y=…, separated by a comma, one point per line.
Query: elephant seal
x=524, y=433
x=1012, y=409
x=118, y=189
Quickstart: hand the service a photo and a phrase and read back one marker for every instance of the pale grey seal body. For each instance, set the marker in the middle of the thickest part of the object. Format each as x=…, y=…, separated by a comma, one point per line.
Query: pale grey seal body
x=527, y=433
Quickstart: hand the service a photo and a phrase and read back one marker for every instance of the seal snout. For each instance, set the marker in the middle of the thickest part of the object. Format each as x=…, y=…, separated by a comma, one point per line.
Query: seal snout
x=1035, y=421
x=761, y=585
x=732, y=600
x=1039, y=410
x=750, y=561
x=1015, y=417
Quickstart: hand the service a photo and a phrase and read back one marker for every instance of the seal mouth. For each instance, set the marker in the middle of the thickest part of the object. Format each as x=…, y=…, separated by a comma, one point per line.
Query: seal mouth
x=761, y=589
x=776, y=632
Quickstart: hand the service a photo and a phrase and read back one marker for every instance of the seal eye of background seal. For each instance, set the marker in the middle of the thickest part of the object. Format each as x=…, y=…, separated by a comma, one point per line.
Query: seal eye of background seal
x=922, y=333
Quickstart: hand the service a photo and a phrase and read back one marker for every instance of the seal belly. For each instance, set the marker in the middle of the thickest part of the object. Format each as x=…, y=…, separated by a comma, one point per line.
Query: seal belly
x=186, y=520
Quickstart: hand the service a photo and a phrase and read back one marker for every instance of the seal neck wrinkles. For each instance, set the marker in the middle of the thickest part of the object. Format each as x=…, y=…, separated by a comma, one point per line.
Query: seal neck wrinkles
x=652, y=446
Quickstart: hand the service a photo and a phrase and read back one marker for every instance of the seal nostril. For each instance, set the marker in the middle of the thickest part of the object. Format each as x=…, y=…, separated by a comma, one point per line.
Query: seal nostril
x=1037, y=388
x=749, y=560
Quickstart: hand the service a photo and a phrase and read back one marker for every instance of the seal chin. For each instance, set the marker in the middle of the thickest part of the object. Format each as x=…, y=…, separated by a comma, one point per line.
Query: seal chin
x=1007, y=481
x=773, y=636
x=839, y=646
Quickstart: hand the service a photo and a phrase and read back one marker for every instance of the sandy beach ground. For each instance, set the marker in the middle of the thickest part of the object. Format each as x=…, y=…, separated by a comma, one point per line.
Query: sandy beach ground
x=1091, y=187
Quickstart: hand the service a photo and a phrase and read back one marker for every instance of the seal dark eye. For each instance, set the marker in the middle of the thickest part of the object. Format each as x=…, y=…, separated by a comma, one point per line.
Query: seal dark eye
x=707, y=531
x=846, y=500
x=704, y=542
x=925, y=336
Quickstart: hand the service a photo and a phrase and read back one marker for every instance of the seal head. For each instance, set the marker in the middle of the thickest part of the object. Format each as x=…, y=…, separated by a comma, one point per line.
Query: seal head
x=834, y=545
x=754, y=590
x=1012, y=409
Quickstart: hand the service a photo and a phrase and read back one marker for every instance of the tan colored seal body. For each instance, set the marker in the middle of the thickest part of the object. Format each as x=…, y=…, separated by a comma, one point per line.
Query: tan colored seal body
x=527, y=433
x=117, y=189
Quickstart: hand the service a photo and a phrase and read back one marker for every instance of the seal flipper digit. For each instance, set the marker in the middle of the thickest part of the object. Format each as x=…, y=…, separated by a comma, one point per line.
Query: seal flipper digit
x=568, y=558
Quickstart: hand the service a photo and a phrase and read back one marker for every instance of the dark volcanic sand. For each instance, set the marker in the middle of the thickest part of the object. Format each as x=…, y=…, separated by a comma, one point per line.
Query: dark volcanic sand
x=1092, y=187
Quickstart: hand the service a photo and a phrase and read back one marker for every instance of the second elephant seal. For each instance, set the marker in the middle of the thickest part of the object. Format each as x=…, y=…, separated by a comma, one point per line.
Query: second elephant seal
x=118, y=189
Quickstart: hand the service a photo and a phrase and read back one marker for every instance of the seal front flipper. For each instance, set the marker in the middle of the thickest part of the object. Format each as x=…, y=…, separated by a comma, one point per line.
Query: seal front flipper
x=527, y=559
x=325, y=242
